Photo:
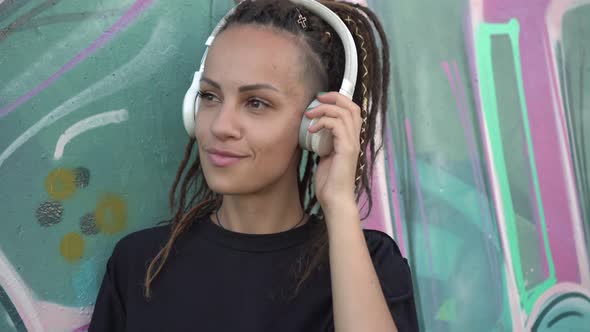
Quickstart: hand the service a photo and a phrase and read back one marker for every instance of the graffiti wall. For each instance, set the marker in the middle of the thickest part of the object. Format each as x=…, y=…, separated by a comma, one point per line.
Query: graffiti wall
x=486, y=173
x=483, y=181
x=90, y=137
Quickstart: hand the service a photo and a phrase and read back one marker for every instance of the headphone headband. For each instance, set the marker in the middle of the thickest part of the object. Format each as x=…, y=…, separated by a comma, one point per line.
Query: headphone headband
x=351, y=58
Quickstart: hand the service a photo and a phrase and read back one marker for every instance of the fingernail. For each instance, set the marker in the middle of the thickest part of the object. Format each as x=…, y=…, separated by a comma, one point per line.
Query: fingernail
x=321, y=93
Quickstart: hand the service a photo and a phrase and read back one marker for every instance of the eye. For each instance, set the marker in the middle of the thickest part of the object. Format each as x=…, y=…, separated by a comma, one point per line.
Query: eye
x=203, y=95
x=257, y=104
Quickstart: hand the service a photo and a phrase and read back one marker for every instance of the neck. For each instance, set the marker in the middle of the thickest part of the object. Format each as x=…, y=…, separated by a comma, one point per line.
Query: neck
x=273, y=210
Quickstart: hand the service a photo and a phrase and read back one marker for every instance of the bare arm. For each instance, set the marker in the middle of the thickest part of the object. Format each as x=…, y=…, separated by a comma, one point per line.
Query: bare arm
x=358, y=300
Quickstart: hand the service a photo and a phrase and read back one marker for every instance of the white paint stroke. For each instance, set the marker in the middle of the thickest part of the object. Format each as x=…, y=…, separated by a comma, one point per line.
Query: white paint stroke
x=555, y=13
x=146, y=62
x=19, y=294
x=95, y=121
x=57, y=317
x=554, y=20
x=38, y=316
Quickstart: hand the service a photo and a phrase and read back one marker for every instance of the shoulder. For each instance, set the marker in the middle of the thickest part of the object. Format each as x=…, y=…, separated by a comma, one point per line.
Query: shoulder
x=381, y=243
x=391, y=267
x=145, y=242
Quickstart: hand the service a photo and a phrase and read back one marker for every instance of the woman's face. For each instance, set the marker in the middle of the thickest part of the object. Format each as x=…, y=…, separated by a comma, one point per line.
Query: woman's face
x=253, y=95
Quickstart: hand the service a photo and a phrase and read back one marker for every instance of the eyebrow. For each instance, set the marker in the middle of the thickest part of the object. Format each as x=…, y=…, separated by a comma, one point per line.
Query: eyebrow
x=243, y=88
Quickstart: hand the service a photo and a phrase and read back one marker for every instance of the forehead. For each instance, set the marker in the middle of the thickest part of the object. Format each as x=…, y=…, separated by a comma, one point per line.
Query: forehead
x=248, y=53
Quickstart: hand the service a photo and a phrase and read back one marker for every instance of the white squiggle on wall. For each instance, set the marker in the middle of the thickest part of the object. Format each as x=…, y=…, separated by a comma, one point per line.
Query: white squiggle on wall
x=20, y=295
x=46, y=316
x=38, y=316
x=146, y=62
x=95, y=121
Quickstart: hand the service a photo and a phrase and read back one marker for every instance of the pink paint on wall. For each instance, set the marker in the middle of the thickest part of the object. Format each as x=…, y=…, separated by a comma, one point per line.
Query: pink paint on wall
x=538, y=91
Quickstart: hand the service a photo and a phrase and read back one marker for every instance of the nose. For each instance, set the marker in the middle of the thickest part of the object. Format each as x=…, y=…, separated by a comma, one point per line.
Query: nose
x=226, y=123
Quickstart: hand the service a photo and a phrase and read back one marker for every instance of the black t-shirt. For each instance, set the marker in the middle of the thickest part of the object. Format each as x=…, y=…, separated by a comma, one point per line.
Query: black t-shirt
x=219, y=280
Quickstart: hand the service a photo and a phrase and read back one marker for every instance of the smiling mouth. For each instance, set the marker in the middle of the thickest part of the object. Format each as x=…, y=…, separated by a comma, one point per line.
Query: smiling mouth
x=223, y=160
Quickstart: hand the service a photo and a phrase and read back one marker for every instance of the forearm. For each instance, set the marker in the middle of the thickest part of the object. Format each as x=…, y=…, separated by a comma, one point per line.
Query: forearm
x=358, y=300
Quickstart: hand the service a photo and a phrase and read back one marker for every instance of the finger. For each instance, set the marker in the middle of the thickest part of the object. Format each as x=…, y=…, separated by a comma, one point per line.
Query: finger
x=333, y=111
x=343, y=140
x=338, y=99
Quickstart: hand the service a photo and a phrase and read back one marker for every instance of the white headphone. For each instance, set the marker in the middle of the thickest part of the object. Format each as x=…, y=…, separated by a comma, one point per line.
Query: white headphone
x=319, y=142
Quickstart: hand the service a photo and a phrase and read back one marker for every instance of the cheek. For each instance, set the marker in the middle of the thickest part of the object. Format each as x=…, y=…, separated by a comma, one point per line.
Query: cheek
x=202, y=123
x=276, y=140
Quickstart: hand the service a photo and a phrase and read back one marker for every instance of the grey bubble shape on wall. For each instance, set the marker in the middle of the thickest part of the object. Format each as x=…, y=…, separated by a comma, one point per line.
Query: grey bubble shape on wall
x=88, y=224
x=82, y=177
x=49, y=213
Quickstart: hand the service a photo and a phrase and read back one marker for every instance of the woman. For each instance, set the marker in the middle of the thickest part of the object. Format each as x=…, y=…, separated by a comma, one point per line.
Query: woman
x=265, y=236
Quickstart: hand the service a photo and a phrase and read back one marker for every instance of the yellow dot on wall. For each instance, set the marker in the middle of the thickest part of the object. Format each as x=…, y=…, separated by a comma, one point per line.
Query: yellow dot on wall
x=60, y=183
x=111, y=214
x=72, y=247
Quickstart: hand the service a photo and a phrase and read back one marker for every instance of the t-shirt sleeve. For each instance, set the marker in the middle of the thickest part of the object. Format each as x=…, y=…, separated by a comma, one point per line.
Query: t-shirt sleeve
x=395, y=278
x=109, y=311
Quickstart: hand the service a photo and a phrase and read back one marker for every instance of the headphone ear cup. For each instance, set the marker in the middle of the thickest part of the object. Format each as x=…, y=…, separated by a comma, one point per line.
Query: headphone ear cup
x=190, y=106
x=320, y=142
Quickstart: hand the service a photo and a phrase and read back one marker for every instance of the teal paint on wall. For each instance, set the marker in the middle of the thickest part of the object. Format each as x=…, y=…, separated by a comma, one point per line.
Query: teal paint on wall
x=136, y=80
x=101, y=167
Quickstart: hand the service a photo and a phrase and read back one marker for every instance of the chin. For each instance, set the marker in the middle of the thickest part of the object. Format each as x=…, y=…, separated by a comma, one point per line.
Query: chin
x=244, y=177
x=225, y=187
x=224, y=181
x=236, y=182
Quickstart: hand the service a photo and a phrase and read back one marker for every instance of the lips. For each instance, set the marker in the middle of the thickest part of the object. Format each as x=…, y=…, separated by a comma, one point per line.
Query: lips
x=222, y=158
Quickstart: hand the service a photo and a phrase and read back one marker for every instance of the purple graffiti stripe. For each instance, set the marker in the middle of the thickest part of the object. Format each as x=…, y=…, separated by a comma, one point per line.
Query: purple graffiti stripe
x=461, y=102
x=476, y=162
x=464, y=117
x=556, y=89
x=484, y=208
x=395, y=192
x=414, y=162
x=474, y=80
x=561, y=110
x=470, y=138
x=137, y=8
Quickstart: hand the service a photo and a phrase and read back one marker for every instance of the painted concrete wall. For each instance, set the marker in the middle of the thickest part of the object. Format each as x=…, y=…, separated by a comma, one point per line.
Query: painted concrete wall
x=483, y=183
x=486, y=168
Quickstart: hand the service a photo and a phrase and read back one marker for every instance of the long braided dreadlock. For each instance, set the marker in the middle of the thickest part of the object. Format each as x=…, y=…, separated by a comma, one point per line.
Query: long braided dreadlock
x=327, y=51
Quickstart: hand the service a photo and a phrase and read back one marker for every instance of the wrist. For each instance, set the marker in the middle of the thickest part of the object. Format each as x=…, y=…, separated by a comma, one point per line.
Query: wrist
x=345, y=209
x=337, y=202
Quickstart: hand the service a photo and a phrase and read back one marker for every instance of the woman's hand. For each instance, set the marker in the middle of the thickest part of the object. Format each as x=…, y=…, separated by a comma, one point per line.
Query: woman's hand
x=335, y=175
x=355, y=308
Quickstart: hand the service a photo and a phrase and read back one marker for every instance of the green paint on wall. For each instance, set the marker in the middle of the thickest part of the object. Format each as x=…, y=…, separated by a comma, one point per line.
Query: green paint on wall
x=491, y=103
x=447, y=311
